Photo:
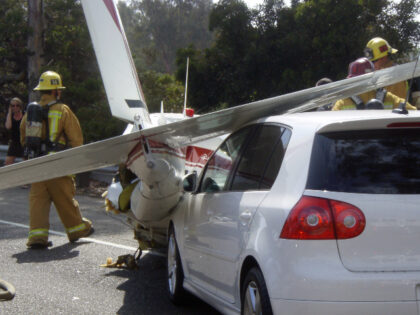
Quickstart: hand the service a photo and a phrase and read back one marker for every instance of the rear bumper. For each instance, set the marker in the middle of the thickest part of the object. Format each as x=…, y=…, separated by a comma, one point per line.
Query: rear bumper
x=296, y=307
x=308, y=277
x=313, y=272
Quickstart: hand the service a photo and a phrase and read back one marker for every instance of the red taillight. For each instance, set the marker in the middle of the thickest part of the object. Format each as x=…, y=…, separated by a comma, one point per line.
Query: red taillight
x=316, y=218
x=349, y=220
x=309, y=219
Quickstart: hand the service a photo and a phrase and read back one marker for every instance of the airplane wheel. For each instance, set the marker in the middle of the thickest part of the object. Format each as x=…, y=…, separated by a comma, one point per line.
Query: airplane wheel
x=254, y=294
x=174, y=271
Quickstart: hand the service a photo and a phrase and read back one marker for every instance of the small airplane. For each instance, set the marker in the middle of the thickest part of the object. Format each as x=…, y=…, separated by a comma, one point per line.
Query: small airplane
x=161, y=148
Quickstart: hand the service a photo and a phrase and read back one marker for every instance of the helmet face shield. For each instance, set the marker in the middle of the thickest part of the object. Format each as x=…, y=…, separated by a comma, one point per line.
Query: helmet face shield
x=368, y=52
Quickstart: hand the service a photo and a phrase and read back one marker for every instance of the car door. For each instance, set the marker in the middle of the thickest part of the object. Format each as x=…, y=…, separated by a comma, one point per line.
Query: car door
x=228, y=210
x=198, y=229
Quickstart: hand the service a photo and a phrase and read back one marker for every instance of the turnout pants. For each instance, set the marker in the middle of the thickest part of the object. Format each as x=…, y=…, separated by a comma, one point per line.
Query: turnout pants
x=61, y=192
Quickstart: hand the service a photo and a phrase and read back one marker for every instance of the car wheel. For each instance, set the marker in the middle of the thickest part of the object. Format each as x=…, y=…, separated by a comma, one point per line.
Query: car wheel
x=175, y=273
x=254, y=294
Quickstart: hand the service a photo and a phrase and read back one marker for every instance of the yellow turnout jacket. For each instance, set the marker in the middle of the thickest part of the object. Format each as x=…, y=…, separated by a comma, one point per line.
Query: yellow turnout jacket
x=390, y=101
x=62, y=122
x=400, y=88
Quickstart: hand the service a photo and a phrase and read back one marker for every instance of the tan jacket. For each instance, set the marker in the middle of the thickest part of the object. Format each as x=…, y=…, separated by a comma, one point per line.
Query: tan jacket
x=391, y=101
x=62, y=122
x=400, y=88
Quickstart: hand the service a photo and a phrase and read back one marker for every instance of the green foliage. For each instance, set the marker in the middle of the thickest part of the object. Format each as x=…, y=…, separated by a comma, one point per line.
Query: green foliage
x=162, y=87
x=236, y=54
x=223, y=73
x=69, y=51
x=156, y=29
x=13, y=33
x=97, y=122
x=92, y=110
x=277, y=49
x=397, y=24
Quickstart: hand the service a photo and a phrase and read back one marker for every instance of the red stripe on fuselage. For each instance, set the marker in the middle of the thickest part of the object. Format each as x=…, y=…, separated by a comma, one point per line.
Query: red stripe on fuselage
x=197, y=155
x=111, y=8
x=193, y=155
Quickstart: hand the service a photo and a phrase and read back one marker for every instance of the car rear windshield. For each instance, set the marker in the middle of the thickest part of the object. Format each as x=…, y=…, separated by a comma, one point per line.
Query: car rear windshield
x=371, y=162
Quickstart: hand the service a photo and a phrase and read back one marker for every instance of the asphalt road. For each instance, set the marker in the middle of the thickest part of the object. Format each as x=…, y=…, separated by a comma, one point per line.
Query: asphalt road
x=67, y=278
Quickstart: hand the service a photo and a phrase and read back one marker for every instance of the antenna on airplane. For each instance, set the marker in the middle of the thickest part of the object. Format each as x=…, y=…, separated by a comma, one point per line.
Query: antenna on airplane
x=186, y=88
x=162, y=118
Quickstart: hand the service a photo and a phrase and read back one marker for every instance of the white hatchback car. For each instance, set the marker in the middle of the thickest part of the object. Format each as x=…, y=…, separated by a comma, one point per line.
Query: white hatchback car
x=311, y=213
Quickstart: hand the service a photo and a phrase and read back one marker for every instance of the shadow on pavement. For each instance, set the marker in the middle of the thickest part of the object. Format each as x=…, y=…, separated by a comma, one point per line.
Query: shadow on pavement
x=62, y=252
x=145, y=291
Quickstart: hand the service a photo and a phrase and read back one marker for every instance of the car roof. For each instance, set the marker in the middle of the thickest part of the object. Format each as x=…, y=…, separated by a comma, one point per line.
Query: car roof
x=324, y=121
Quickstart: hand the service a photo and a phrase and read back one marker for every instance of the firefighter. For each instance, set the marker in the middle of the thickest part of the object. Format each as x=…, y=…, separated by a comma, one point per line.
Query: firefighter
x=60, y=130
x=379, y=52
x=329, y=105
x=389, y=100
x=415, y=92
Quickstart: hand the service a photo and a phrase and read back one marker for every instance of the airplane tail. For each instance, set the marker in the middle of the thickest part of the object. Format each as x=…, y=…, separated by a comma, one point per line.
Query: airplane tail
x=116, y=63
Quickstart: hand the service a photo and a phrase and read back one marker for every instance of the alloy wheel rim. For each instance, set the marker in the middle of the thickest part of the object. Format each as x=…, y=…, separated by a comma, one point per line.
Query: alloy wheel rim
x=172, y=267
x=252, y=300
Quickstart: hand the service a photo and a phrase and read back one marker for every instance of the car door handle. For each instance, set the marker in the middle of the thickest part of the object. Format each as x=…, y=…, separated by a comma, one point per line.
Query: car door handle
x=245, y=217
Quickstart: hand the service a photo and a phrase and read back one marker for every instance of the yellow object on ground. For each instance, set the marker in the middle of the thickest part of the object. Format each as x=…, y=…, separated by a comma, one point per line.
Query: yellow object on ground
x=123, y=261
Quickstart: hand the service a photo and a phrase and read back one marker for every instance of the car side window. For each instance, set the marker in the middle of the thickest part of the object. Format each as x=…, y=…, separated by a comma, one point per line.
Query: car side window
x=273, y=166
x=219, y=166
x=261, y=159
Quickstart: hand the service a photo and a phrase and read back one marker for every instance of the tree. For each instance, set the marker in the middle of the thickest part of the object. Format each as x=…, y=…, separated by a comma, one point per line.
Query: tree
x=69, y=51
x=52, y=35
x=35, y=43
x=158, y=28
x=222, y=73
x=398, y=25
x=277, y=49
x=162, y=87
x=13, y=51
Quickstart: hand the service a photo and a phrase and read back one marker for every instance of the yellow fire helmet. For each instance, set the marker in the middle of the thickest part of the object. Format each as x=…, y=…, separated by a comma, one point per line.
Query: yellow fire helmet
x=378, y=48
x=49, y=80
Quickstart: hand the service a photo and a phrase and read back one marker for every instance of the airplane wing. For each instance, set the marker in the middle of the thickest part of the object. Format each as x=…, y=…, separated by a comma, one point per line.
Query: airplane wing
x=116, y=150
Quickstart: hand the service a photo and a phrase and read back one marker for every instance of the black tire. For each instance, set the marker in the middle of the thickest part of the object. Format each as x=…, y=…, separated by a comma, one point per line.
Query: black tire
x=255, y=289
x=175, y=273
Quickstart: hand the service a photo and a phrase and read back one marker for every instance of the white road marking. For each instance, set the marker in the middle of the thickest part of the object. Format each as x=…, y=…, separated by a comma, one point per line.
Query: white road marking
x=88, y=239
